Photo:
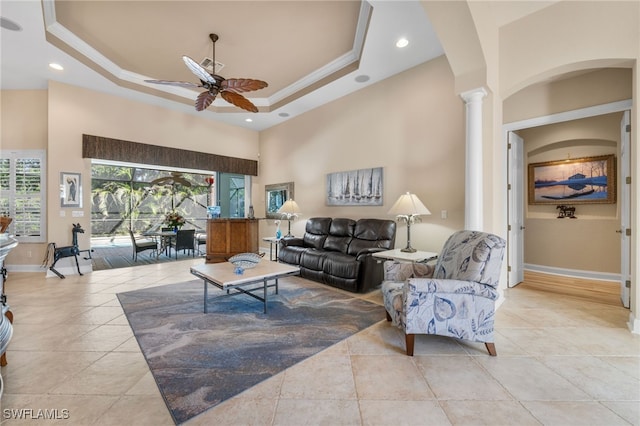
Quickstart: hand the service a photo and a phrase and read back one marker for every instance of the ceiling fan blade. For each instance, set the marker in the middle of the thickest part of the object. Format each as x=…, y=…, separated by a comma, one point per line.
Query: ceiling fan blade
x=159, y=181
x=197, y=69
x=205, y=99
x=175, y=178
x=243, y=84
x=174, y=83
x=238, y=100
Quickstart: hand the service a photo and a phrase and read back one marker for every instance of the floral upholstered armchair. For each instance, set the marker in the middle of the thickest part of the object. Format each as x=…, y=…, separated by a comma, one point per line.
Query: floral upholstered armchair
x=456, y=298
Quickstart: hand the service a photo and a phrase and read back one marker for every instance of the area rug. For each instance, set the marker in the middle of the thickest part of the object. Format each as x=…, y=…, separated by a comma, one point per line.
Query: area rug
x=199, y=360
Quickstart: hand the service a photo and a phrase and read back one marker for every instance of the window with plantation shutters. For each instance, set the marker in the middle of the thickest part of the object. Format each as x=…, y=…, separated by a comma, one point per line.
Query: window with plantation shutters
x=22, y=190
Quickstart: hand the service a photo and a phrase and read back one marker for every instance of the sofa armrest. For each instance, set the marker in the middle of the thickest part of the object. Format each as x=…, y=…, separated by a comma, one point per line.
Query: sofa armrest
x=292, y=241
x=368, y=252
x=428, y=285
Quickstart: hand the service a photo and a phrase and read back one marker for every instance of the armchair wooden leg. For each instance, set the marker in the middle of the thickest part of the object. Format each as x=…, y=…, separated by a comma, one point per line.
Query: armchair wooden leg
x=491, y=347
x=409, y=340
x=388, y=316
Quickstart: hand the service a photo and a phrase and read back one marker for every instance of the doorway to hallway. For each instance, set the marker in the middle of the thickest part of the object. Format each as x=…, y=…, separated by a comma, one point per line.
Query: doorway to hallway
x=516, y=219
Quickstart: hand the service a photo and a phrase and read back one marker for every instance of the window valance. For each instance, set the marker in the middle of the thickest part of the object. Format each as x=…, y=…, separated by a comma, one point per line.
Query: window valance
x=101, y=148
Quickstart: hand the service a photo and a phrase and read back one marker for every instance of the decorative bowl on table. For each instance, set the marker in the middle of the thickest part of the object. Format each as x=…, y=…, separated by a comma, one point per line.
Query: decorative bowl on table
x=246, y=260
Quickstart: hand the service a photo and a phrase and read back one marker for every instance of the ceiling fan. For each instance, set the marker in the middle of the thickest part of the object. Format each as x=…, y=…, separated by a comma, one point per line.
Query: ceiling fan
x=175, y=178
x=229, y=89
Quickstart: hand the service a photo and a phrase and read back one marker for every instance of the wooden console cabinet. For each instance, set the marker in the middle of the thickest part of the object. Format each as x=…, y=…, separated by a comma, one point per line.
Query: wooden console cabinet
x=227, y=237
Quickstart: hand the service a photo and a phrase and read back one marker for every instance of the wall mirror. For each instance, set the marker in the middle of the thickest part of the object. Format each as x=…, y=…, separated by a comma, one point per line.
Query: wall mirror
x=275, y=197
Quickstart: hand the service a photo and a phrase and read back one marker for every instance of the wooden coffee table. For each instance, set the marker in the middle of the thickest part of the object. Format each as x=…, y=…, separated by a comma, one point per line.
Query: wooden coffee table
x=223, y=276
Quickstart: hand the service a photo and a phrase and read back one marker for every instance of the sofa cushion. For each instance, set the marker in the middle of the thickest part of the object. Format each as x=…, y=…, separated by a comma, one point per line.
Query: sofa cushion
x=313, y=259
x=291, y=254
x=340, y=234
x=316, y=231
x=372, y=233
x=341, y=265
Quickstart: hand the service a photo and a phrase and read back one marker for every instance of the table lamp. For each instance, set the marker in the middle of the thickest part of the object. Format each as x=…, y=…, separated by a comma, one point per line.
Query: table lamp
x=408, y=208
x=288, y=211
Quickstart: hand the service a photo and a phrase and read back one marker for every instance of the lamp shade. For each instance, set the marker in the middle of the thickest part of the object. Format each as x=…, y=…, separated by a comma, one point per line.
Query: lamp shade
x=409, y=205
x=289, y=208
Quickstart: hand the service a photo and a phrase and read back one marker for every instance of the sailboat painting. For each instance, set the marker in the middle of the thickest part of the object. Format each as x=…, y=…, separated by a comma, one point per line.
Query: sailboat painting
x=578, y=181
x=355, y=188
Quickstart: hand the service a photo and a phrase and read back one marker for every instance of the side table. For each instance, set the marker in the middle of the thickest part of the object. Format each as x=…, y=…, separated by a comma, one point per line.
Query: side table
x=399, y=255
x=273, y=241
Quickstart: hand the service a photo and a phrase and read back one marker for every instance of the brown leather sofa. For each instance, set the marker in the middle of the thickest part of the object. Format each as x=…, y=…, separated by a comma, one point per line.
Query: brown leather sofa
x=337, y=251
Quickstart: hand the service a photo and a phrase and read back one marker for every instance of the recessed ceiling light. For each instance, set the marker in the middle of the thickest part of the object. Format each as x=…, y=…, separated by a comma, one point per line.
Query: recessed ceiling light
x=284, y=114
x=55, y=66
x=8, y=24
x=362, y=78
x=248, y=120
x=403, y=42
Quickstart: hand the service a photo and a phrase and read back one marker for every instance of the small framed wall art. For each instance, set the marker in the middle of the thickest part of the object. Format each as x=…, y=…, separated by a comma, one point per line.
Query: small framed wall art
x=275, y=196
x=70, y=190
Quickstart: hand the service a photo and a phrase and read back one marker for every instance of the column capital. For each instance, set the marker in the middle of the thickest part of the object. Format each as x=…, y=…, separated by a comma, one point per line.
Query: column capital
x=474, y=94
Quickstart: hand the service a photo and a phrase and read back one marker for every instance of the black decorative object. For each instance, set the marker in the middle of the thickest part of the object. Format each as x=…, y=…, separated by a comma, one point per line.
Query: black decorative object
x=566, y=211
x=56, y=253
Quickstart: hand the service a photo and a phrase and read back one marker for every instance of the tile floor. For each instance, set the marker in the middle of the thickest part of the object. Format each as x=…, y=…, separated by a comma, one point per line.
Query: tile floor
x=560, y=362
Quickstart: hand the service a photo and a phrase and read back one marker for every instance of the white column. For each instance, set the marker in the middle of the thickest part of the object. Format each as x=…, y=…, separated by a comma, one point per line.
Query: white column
x=473, y=177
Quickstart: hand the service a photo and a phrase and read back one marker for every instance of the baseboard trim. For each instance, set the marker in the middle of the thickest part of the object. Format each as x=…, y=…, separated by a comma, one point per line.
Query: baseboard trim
x=64, y=270
x=591, y=275
x=24, y=268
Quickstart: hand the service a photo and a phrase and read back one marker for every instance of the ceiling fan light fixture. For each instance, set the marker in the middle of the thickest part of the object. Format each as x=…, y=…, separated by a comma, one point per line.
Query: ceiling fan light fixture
x=207, y=64
x=229, y=89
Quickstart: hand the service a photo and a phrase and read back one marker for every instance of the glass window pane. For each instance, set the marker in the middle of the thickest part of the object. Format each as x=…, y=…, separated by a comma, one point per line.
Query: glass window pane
x=23, y=193
x=27, y=174
x=5, y=174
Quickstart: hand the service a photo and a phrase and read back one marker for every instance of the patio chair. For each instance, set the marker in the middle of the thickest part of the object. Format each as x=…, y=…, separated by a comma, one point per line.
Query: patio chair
x=201, y=239
x=185, y=240
x=141, y=244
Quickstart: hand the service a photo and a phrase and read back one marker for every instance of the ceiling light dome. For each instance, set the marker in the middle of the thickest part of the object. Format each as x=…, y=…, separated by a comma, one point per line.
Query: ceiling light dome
x=402, y=42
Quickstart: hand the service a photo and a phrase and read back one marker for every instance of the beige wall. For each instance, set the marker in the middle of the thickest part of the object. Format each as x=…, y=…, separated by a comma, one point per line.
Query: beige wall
x=411, y=124
x=567, y=36
x=590, y=242
x=24, y=126
x=23, y=119
x=590, y=88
